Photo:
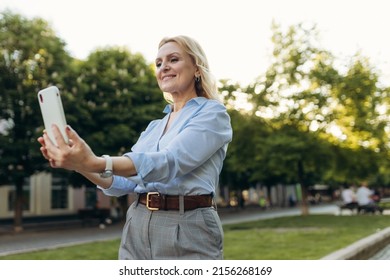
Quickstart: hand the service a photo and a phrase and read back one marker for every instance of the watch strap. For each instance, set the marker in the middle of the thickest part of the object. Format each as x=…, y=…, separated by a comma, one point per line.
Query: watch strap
x=108, y=162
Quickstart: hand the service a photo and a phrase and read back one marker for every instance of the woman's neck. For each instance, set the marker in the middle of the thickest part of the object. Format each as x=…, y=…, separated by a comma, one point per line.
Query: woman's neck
x=180, y=101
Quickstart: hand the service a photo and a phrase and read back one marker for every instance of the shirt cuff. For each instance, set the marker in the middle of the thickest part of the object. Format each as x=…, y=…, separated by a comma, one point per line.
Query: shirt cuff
x=143, y=165
x=120, y=186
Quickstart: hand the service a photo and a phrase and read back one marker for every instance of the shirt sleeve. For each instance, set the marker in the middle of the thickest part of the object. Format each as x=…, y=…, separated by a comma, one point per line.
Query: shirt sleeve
x=120, y=186
x=203, y=135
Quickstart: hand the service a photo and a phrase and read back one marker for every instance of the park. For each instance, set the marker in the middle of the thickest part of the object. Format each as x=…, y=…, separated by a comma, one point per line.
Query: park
x=310, y=123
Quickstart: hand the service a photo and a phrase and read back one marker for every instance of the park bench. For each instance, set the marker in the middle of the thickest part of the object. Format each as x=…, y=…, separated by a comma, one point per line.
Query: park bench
x=370, y=209
x=352, y=207
x=383, y=205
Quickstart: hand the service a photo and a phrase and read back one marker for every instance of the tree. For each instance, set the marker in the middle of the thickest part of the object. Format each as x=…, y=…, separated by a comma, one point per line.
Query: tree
x=243, y=165
x=109, y=98
x=360, y=119
x=120, y=92
x=328, y=123
x=116, y=95
x=32, y=57
x=296, y=102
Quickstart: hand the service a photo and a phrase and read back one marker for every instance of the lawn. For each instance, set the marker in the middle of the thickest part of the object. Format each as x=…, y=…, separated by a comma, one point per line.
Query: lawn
x=298, y=238
x=287, y=238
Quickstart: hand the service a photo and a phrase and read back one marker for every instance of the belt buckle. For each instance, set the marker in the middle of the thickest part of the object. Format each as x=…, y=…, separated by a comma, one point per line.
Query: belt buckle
x=148, y=198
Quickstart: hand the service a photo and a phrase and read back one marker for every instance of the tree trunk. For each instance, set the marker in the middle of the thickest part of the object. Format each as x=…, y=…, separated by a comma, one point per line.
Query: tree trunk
x=18, y=206
x=304, y=204
x=269, y=195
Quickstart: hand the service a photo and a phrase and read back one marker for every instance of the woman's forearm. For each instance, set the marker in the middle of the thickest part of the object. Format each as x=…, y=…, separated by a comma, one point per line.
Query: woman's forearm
x=97, y=180
x=122, y=166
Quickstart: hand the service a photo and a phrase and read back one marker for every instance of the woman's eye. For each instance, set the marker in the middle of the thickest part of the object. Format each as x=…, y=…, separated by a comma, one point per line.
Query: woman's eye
x=158, y=64
x=174, y=59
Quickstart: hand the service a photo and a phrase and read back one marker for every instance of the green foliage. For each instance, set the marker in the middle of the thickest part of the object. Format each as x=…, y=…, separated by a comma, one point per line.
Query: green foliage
x=114, y=98
x=32, y=57
x=109, y=98
x=121, y=96
x=243, y=166
x=311, y=122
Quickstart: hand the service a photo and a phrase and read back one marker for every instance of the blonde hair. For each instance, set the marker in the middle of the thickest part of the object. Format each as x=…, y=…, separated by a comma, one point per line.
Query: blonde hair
x=207, y=86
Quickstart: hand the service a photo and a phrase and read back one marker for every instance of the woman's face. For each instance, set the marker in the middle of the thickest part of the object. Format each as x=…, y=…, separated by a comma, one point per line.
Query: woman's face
x=175, y=70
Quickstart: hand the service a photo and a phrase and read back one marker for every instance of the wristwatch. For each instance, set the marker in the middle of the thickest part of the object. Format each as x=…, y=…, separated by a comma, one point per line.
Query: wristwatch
x=108, y=170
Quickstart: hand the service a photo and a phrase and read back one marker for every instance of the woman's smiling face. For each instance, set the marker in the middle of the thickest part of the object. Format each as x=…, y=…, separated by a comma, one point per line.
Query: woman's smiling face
x=175, y=70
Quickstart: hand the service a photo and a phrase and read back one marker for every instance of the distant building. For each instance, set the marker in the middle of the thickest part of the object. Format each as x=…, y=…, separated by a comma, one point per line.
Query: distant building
x=47, y=196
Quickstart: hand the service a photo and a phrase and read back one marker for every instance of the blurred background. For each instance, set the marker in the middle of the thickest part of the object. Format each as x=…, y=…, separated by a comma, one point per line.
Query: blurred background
x=306, y=84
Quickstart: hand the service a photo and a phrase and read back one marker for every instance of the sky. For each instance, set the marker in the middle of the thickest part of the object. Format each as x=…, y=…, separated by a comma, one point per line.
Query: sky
x=235, y=34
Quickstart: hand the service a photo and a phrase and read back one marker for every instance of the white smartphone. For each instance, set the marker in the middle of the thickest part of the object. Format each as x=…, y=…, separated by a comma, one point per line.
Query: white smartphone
x=52, y=111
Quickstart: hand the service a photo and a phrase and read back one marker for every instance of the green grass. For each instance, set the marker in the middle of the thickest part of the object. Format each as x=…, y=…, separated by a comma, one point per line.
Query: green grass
x=287, y=238
x=298, y=238
x=101, y=250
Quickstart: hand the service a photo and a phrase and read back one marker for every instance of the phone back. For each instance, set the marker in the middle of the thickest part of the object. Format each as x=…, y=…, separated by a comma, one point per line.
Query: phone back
x=52, y=111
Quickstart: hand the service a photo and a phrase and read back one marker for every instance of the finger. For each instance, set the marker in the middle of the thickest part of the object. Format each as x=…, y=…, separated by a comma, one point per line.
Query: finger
x=49, y=146
x=58, y=136
x=72, y=135
x=43, y=149
x=41, y=141
x=44, y=153
x=52, y=163
x=46, y=140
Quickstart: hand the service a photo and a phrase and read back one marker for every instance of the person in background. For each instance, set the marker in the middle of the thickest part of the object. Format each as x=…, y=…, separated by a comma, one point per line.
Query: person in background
x=376, y=197
x=173, y=168
x=348, y=196
x=365, y=199
x=364, y=195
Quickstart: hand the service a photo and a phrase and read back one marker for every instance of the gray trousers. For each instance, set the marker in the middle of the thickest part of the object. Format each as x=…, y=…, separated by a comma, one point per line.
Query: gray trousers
x=154, y=235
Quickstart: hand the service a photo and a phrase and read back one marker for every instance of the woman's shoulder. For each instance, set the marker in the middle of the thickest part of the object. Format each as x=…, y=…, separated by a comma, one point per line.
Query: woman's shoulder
x=213, y=104
x=153, y=124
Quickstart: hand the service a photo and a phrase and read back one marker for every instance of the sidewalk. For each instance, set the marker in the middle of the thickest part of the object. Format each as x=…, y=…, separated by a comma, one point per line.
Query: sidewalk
x=34, y=240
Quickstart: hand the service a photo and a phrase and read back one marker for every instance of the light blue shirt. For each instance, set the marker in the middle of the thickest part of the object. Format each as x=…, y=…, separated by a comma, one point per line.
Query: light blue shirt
x=187, y=159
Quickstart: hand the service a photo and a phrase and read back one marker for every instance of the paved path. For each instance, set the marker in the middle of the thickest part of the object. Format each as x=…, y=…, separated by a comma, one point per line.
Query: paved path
x=383, y=254
x=38, y=240
x=250, y=215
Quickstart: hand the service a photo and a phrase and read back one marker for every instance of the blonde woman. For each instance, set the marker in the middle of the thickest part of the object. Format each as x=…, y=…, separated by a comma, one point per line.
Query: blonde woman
x=174, y=167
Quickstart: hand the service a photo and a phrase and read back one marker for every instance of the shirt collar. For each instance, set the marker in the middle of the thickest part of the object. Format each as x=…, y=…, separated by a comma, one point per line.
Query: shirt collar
x=197, y=100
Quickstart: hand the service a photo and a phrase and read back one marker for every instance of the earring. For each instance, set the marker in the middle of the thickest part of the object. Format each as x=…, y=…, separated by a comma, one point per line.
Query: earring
x=197, y=79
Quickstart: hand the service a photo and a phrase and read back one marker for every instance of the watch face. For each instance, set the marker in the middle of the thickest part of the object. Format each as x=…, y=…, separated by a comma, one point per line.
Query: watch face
x=106, y=174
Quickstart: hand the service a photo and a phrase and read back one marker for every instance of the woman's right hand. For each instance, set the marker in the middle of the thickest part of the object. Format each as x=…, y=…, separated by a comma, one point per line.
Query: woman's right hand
x=76, y=155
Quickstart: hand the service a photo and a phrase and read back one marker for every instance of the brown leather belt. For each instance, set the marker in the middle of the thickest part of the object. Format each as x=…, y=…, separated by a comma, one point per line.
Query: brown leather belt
x=156, y=201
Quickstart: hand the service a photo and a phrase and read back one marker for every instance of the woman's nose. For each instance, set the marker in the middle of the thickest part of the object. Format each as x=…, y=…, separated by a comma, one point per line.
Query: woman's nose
x=165, y=66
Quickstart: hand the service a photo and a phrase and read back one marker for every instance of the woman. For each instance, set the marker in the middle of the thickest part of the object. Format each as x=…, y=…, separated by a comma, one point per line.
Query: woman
x=174, y=167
